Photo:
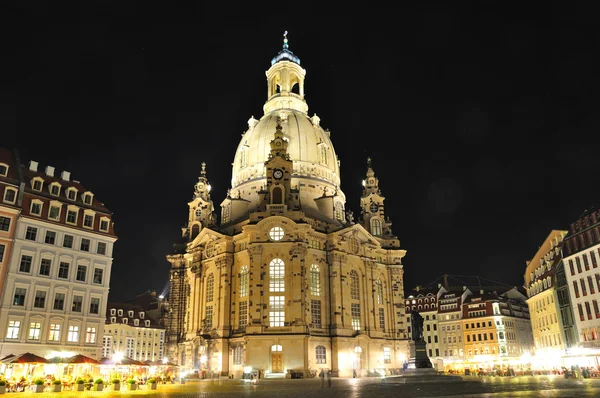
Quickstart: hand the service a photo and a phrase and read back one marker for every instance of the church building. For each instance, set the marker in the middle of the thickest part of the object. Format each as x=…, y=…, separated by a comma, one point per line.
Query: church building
x=287, y=282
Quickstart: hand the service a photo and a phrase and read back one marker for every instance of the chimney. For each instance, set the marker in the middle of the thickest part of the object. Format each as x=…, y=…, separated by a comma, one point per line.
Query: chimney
x=464, y=288
x=50, y=171
x=65, y=175
x=481, y=291
x=439, y=285
x=33, y=165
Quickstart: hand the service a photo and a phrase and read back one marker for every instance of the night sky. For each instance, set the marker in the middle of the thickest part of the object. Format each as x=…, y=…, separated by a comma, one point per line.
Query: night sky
x=481, y=119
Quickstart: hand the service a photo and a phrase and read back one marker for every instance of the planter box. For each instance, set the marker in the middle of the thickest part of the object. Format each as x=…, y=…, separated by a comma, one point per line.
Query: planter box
x=132, y=386
x=80, y=387
x=116, y=386
x=38, y=388
x=2, y=389
x=98, y=387
x=152, y=386
x=56, y=387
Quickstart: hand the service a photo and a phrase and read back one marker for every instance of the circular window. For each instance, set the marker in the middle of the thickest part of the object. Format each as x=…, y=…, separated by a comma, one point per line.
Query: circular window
x=198, y=212
x=276, y=233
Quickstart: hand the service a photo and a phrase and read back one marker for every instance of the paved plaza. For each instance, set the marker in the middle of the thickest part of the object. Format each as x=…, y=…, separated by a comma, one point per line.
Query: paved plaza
x=526, y=386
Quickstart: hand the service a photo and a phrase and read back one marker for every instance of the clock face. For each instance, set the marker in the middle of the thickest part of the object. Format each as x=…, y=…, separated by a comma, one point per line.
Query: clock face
x=277, y=174
x=201, y=185
x=374, y=208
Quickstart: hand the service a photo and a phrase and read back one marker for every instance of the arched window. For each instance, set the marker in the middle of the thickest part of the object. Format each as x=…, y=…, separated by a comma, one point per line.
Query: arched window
x=244, y=281
x=323, y=154
x=321, y=354
x=276, y=348
x=354, y=290
x=195, y=230
x=387, y=355
x=379, y=291
x=315, y=280
x=339, y=211
x=376, y=227
x=210, y=287
x=277, y=196
x=277, y=275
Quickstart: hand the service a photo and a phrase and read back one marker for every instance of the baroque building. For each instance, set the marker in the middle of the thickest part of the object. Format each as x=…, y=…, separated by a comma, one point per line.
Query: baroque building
x=287, y=280
x=55, y=282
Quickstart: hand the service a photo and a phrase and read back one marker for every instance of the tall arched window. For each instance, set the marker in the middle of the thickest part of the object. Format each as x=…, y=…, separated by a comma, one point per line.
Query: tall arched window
x=354, y=289
x=376, y=227
x=210, y=287
x=379, y=291
x=315, y=280
x=238, y=355
x=195, y=230
x=277, y=275
x=321, y=354
x=277, y=196
x=244, y=282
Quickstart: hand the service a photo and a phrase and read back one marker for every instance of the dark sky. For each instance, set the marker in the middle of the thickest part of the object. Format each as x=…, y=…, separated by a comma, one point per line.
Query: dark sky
x=481, y=118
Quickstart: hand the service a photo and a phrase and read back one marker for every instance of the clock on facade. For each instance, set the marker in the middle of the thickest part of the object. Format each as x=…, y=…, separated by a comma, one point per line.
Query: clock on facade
x=374, y=208
x=277, y=174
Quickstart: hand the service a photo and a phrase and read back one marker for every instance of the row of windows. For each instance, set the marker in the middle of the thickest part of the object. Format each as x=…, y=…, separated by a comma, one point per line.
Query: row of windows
x=45, y=269
x=68, y=240
x=586, y=263
x=130, y=313
x=35, y=328
x=39, y=301
x=37, y=184
x=547, y=340
x=583, y=240
x=590, y=284
x=588, y=310
x=136, y=322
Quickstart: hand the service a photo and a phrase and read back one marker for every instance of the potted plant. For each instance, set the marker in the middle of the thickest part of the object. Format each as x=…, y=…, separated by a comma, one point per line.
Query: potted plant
x=80, y=383
x=38, y=385
x=152, y=383
x=2, y=386
x=56, y=385
x=116, y=384
x=99, y=385
x=132, y=384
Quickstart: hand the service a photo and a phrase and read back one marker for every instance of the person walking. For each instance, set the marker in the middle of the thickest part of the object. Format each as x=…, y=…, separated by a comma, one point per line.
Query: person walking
x=322, y=376
x=329, y=378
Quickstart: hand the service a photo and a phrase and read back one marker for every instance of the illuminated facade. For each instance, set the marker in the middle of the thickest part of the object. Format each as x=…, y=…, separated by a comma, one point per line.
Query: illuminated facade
x=9, y=208
x=549, y=305
x=130, y=332
x=581, y=254
x=57, y=277
x=287, y=280
x=425, y=302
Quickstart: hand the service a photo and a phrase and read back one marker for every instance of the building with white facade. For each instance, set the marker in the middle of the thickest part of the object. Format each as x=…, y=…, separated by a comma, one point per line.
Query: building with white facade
x=581, y=255
x=132, y=333
x=56, y=280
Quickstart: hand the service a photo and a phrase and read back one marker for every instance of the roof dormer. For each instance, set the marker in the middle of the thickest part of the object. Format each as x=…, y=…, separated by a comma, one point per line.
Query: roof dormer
x=54, y=189
x=87, y=198
x=71, y=193
x=37, y=183
x=3, y=169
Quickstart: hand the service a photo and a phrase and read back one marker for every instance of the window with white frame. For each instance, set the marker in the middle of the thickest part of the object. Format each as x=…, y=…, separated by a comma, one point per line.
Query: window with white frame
x=50, y=238
x=59, y=301
x=71, y=193
x=354, y=285
x=35, y=329
x=54, y=334
x=36, y=207
x=98, y=275
x=208, y=316
x=71, y=216
x=10, y=195
x=25, y=264
x=381, y=319
x=379, y=289
x=376, y=227
x=88, y=220
x=315, y=313
x=4, y=223
x=277, y=275
x=387, y=355
x=3, y=169
x=320, y=354
x=55, y=189
x=315, y=280
x=37, y=184
x=77, y=303
x=31, y=233
x=276, y=311
x=73, y=334
x=19, y=297
x=40, y=299
x=276, y=233
x=238, y=355
x=355, y=313
x=210, y=287
x=13, y=330
x=104, y=224
x=87, y=198
x=90, y=335
x=243, y=313
x=85, y=245
x=243, y=282
x=101, y=248
x=339, y=211
x=94, y=305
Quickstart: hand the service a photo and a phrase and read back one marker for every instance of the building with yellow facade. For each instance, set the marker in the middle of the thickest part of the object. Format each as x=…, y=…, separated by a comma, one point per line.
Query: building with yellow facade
x=287, y=282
